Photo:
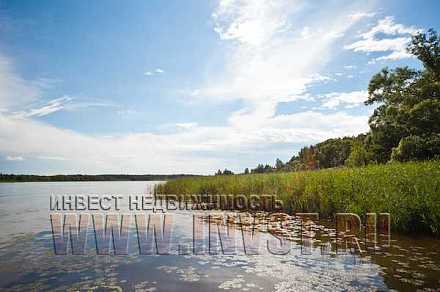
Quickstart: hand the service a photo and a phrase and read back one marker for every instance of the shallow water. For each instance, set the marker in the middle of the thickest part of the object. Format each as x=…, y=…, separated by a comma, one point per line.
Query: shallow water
x=28, y=261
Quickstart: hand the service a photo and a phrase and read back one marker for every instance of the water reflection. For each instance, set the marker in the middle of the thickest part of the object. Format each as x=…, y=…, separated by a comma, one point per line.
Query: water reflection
x=28, y=260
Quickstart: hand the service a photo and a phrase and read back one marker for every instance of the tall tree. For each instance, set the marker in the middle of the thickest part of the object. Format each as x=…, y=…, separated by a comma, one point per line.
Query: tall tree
x=408, y=102
x=307, y=157
x=358, y=156
x=279, y=164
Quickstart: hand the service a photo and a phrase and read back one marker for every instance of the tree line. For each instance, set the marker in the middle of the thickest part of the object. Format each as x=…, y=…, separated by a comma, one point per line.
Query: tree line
x=81, y=177
x=405, y=125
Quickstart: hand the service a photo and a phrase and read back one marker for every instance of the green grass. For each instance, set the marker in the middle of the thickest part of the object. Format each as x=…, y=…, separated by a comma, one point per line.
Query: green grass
x=410, y=192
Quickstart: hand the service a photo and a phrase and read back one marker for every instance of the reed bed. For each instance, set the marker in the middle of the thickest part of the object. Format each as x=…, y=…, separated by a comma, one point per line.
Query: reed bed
x=410, y=191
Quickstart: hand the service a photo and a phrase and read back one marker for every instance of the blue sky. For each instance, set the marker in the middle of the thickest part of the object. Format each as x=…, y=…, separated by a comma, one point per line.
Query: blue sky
x=189, y=86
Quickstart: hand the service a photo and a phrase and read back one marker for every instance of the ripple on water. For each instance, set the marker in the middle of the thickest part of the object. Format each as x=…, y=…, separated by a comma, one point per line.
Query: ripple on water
x=30, y=256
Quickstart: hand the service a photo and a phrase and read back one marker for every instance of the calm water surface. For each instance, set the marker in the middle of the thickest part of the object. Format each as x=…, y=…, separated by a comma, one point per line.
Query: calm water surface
x=28, y=261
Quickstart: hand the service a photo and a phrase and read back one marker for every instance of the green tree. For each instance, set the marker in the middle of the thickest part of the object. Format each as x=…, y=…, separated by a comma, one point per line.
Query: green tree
x=359, y=156
x=279, y=164
x=307, y=157
x=334, y=152
x=227, y=172
x=408, y=103
x=258, y=169
x=417, y=148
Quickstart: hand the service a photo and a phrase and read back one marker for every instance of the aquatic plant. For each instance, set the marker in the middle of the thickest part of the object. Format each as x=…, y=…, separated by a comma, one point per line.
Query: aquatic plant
x=410, y=191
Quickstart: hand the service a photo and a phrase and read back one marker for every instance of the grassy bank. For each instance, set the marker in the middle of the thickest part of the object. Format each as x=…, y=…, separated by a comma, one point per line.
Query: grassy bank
x=409, y=191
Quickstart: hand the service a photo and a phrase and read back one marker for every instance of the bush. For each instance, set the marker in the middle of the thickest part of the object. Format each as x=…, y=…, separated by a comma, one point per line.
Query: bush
x=358, y=156
x=417, y=148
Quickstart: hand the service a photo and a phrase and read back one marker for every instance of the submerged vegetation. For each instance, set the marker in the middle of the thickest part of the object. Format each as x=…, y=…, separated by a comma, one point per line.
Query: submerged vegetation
x=409, y=191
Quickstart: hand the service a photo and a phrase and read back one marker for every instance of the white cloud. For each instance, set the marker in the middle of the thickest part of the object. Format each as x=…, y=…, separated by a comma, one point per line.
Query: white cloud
x=350, y=67
x=270, y=59
x=23, y=97
x=396, y=55
x=14, y=90
x=198, y=149
x=51, y=107
x=389, y=27
x=397, y=38
x=65, y=103
x=154, y=72
x=14, y=158
x=347, y=99
x=58, y=158
x=186, y=126
x=252, y=22
x=305, y=33
x=360, y=15
x=127, y=112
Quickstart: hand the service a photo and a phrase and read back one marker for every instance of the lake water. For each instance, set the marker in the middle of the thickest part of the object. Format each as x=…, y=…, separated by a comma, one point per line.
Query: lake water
x=28, y=261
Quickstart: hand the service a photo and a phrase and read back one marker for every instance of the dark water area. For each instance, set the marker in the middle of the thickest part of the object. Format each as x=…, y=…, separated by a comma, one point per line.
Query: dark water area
x=28, y=262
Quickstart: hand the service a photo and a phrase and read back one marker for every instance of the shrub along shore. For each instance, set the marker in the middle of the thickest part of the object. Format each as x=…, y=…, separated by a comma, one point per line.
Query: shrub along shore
x=410, y=191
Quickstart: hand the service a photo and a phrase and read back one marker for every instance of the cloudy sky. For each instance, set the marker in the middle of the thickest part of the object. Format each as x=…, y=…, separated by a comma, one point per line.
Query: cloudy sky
x=189, y=86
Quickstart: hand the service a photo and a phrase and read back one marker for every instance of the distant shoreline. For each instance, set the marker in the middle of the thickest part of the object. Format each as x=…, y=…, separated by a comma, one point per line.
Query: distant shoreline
x=11, y=178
